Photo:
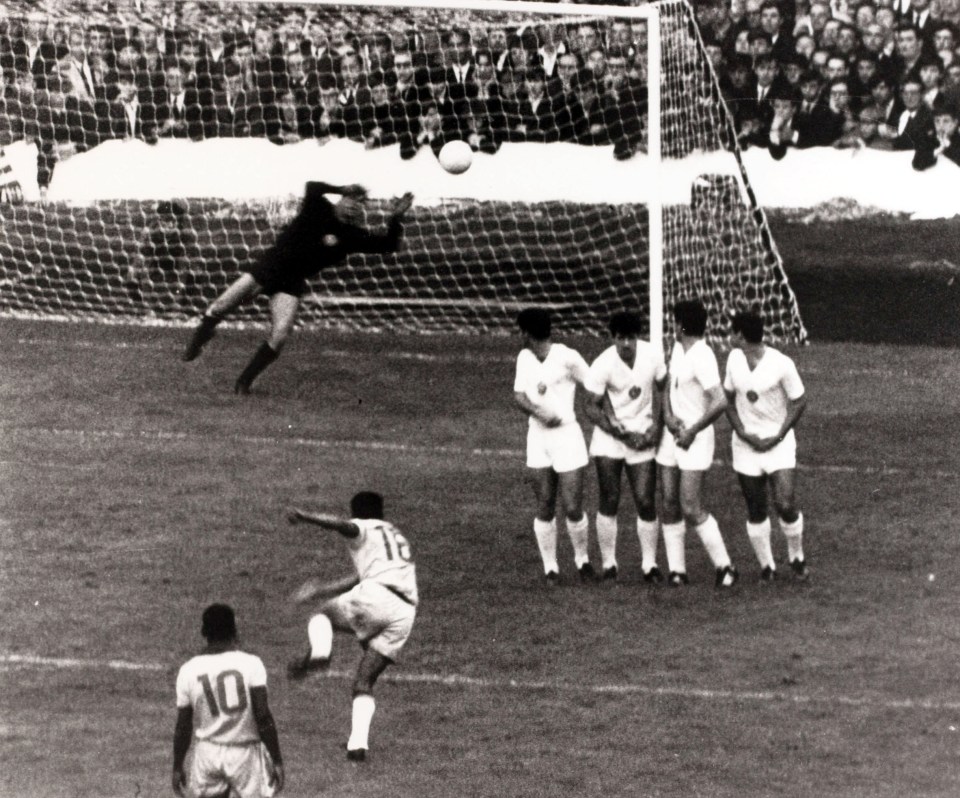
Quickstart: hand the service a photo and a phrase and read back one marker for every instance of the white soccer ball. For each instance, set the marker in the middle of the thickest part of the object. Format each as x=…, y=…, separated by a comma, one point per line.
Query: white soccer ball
x=456, y=157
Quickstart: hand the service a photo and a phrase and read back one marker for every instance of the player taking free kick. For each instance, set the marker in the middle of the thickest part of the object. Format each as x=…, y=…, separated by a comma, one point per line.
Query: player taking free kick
x=378, y=605
x=321, y=235
x=222, y=705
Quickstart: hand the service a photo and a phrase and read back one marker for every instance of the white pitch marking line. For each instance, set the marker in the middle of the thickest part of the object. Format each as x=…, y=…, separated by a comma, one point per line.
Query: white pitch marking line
x=405, y=448
x=457, y=680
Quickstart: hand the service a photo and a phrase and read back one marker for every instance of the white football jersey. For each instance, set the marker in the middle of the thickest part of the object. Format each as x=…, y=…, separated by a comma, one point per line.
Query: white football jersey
x=761, y=395
x=692, y=374
x=382, y=554
x=217, y=686
x=551, y=384
x=630, y=387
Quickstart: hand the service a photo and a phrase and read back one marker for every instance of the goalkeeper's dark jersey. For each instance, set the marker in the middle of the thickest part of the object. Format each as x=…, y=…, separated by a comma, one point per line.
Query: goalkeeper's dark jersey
x=315, y=240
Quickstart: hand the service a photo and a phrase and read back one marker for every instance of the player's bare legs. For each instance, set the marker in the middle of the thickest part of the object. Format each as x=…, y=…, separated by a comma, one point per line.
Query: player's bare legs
x=783, y=483
x=283, y=315
x=754, y=489
x=694, y=515
x=642, y=478
x=238, y=292
x=609, y=475
x=578, y=525
x=372, y=664
x=545, y=482
x=674, y=530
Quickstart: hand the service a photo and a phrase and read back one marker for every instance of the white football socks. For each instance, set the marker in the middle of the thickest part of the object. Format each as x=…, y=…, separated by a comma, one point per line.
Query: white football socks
x=712, y=540
x=579, y=535
x=673, y=541
x=759, y=535
x=607, y=539
x=546, y=534
x=649, y=535
x=320, y=635
x=363, y=709
x=794, y=535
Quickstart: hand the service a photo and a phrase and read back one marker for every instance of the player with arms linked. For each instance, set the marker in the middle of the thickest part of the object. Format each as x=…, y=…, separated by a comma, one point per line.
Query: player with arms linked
x=222, y=705
x=625, y=387
x=377, y=605
x=320, y=236
x=766, y=399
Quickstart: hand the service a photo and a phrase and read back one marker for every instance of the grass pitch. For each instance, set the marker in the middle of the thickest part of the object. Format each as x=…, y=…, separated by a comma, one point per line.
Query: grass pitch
x=137, y=489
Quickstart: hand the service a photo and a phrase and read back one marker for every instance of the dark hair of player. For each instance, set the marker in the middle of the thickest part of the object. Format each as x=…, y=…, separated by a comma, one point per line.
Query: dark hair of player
x=750, y=325
x=367, y=504
x=535, y=322
x=219, y=623
x=625, y=324
x=691, y=315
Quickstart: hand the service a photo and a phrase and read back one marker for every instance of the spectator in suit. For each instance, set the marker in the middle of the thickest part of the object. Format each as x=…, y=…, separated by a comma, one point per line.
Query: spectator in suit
x=297, y=71
x=914, y=125
x=884, y=99
x=792, y=69
x=354, y=95
x=866, y=134
x=737, y=85
x=812, y=121
x=771, y=23
x=782, y=134
x=32, y=50
x=489, y=125
x=224, y=107
x=213, y=42
x=944, y=41
x=316, y=45
x=624, y=106
x=378, y=129
x=153, y=48
x=951, y=85
x=405, y=106
x=919, y=16
x=518, y=58
x=879, y=41
x=551, y=47
x=124, y=115
x=129, y=58
x=865, y=70
x=766, y=74
x=65, y=128
x=945, y=140
x=848, y=43
x=461, y=70
x=100, y=55
x=76, y=69
x=909, y=48
x=327, y=115
x=840, y=118
x=570, y=117
x=177, y=110
x=536, y=111
x=930, y=72
x=294, y=122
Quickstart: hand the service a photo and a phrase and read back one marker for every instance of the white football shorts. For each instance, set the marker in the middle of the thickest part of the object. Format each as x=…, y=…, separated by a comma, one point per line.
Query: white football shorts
x=699, y=457
x=602, y=444
x=217, y=767
x=378, y=616
x=749, y=462
x=560, y=448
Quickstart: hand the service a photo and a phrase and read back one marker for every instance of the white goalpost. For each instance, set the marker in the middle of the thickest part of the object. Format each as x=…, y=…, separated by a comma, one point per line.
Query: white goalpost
x=627, y=192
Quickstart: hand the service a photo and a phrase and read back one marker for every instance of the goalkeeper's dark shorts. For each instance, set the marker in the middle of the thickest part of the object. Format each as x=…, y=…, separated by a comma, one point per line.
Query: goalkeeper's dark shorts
x=278, y=276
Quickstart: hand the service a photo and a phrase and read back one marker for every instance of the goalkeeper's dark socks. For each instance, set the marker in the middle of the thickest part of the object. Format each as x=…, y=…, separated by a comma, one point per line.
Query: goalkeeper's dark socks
x=204, y=332
x=262, y=358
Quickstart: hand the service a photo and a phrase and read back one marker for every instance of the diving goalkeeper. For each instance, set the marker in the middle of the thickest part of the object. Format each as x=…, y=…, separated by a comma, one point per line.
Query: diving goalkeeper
x=321, y=235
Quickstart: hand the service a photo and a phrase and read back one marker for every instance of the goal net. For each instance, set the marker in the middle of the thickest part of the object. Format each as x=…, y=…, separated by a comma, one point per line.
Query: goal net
x=149, y=157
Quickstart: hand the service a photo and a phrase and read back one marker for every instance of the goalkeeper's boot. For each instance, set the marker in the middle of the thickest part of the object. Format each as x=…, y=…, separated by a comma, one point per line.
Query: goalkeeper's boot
x=301, y=667
x=204, y=332
x=800, y=570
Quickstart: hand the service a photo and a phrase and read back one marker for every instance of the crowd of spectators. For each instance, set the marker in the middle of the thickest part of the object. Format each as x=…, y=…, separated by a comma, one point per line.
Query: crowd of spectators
x=201, y=71
x=879, y=74
x=882, y=74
